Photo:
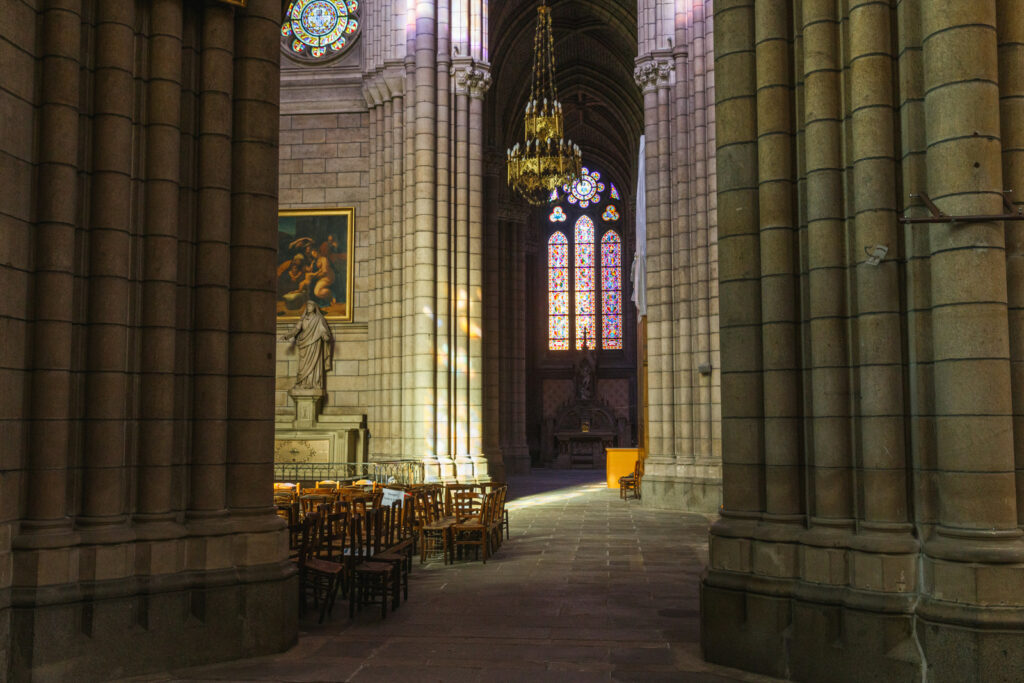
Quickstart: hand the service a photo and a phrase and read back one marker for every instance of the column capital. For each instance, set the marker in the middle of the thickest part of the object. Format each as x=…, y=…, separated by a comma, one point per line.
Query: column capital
x=471, y=77
x=652, y=71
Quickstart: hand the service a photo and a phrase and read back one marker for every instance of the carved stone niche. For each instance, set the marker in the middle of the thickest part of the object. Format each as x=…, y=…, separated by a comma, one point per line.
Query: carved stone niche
x=579, y=433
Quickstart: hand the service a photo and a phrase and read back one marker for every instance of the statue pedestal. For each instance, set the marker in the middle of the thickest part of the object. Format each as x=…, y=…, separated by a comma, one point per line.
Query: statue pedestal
x=307, y=406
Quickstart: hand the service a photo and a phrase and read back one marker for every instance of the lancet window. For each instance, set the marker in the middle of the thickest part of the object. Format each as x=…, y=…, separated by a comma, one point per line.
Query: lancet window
x=584, y=271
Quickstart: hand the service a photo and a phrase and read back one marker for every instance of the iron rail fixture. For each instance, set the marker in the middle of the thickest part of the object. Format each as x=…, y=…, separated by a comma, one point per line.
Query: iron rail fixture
x=939, y=217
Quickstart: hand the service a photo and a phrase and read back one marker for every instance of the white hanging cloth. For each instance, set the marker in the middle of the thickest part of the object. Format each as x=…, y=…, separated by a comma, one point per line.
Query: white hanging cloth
x=638, y=274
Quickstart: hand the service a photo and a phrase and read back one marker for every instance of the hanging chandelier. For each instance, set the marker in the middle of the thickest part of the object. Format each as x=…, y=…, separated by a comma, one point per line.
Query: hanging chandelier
x=545, y=160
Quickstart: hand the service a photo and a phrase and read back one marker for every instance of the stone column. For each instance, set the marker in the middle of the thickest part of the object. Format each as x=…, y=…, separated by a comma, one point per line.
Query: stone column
x=974, y=426
x=878, y=342
x=739, y=274
x=778, y=247
x=460, y=410
x=443, y=418
x=256, y=114
x=213, y=237
x=831, y=494
x=104, y=489
x=659, y=271
x=478, y=80
x=46, y=513
x=424, y=350
x=160, y=265
x=1011, y=117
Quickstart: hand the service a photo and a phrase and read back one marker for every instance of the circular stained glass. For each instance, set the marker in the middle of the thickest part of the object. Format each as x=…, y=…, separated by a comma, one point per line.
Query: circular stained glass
x=318, y=30
x=586, y=189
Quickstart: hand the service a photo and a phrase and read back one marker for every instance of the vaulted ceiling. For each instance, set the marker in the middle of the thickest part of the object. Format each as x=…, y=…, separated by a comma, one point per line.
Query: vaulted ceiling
x=595, y=47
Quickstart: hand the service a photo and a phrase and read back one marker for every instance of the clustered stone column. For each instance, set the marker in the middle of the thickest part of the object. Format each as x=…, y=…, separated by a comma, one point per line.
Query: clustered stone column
x=135, y=482
x=872, y=506
x=674, y=70
x=425, y=224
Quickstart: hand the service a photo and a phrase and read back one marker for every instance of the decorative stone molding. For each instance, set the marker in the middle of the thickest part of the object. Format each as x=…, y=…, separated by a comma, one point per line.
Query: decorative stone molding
x=472, y=78
x=652, y=73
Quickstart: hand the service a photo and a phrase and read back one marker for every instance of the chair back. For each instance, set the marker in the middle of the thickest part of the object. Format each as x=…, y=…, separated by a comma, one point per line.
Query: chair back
x=309, y=538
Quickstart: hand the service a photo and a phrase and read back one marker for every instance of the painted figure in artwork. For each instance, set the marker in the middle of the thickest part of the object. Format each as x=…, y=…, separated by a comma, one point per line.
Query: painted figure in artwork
x=315, y=343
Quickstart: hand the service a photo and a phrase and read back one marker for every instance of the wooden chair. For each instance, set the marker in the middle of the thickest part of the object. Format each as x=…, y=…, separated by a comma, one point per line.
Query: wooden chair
x=372, y=582
x=475, y=531
x=435, y=531
x=317, y=577
x=629, y=485
x=393, y=552
x=490, y=486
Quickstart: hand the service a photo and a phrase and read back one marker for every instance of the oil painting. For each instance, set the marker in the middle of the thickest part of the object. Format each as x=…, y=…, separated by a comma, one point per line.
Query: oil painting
x=314, y=262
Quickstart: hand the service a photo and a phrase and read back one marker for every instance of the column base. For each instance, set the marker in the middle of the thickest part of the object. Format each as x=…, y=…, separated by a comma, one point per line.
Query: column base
x=805, y=641
x=152, y=628
x=681, y=494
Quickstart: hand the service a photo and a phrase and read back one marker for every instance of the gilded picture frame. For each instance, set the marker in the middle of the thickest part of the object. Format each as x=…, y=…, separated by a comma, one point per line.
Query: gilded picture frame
x=315, y=262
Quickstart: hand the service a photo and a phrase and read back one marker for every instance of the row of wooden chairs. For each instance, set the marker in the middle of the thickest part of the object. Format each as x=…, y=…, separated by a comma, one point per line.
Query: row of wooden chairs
x=472, y=515
x=364, y=554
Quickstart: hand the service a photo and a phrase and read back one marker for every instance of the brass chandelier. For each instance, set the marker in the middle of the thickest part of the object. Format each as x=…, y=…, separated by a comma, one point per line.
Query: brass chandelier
x=546, y=160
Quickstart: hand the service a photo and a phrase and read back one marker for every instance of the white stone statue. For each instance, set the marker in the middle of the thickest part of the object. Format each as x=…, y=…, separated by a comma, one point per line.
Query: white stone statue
x=312, y=335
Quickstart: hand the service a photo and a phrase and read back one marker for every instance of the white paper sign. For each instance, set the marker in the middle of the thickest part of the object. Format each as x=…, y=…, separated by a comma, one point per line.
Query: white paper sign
x=392, y=496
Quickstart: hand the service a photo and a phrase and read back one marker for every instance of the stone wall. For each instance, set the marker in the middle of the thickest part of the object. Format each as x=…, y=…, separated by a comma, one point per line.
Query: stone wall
x=871, y=389
x=137, y=222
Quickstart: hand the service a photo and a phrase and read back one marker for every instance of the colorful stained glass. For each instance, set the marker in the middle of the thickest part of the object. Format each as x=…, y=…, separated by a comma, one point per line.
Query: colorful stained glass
x=553, y=197
x=612, y=329
x=558, y=291
x=558, y=280
x=558, y=333
x=558, y=251
x=614, y=192
x=557, y=216
x=584, y=285
x=612, y=303
x=610, y=213
x=585, y=189
x=585, y=333
x=611, y=290
x=325, y=27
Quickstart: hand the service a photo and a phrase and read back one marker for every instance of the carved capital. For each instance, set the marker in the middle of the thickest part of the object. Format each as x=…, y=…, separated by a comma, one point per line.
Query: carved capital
x=472, y=78
x=651, y=74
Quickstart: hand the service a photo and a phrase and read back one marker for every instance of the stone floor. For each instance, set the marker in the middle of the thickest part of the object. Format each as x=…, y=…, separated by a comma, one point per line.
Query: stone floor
x=589, y=588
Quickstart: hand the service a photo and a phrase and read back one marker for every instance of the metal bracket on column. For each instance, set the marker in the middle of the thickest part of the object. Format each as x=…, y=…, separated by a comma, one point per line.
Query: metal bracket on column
x=939, y=217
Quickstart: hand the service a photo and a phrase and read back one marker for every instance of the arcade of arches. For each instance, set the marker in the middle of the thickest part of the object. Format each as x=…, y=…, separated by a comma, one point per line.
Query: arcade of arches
x=816, y=356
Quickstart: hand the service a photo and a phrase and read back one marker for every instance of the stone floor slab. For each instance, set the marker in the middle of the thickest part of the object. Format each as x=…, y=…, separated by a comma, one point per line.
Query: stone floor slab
x=588, y=588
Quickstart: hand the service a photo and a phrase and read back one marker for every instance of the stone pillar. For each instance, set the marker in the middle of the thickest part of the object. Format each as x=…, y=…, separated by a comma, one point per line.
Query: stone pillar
x=127, y=346
x=478, y=80
x=1011, y=117
x=778, y=247
x=104, y=489
x=831, y=494
x=424, y=245
x=160, y=264
x=460, y=269
x=213, y=237
x=51, y=333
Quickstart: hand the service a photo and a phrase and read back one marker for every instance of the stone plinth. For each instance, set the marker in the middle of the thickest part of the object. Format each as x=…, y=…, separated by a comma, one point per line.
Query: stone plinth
x=307, y=406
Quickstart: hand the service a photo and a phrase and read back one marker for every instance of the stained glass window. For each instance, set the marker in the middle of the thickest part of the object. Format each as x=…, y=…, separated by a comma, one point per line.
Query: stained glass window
x=614, y=192
x=558, y=292
x=584, y=284
x=317, y=30
x=611, y=291
x=585, y=190
x=585, y=308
